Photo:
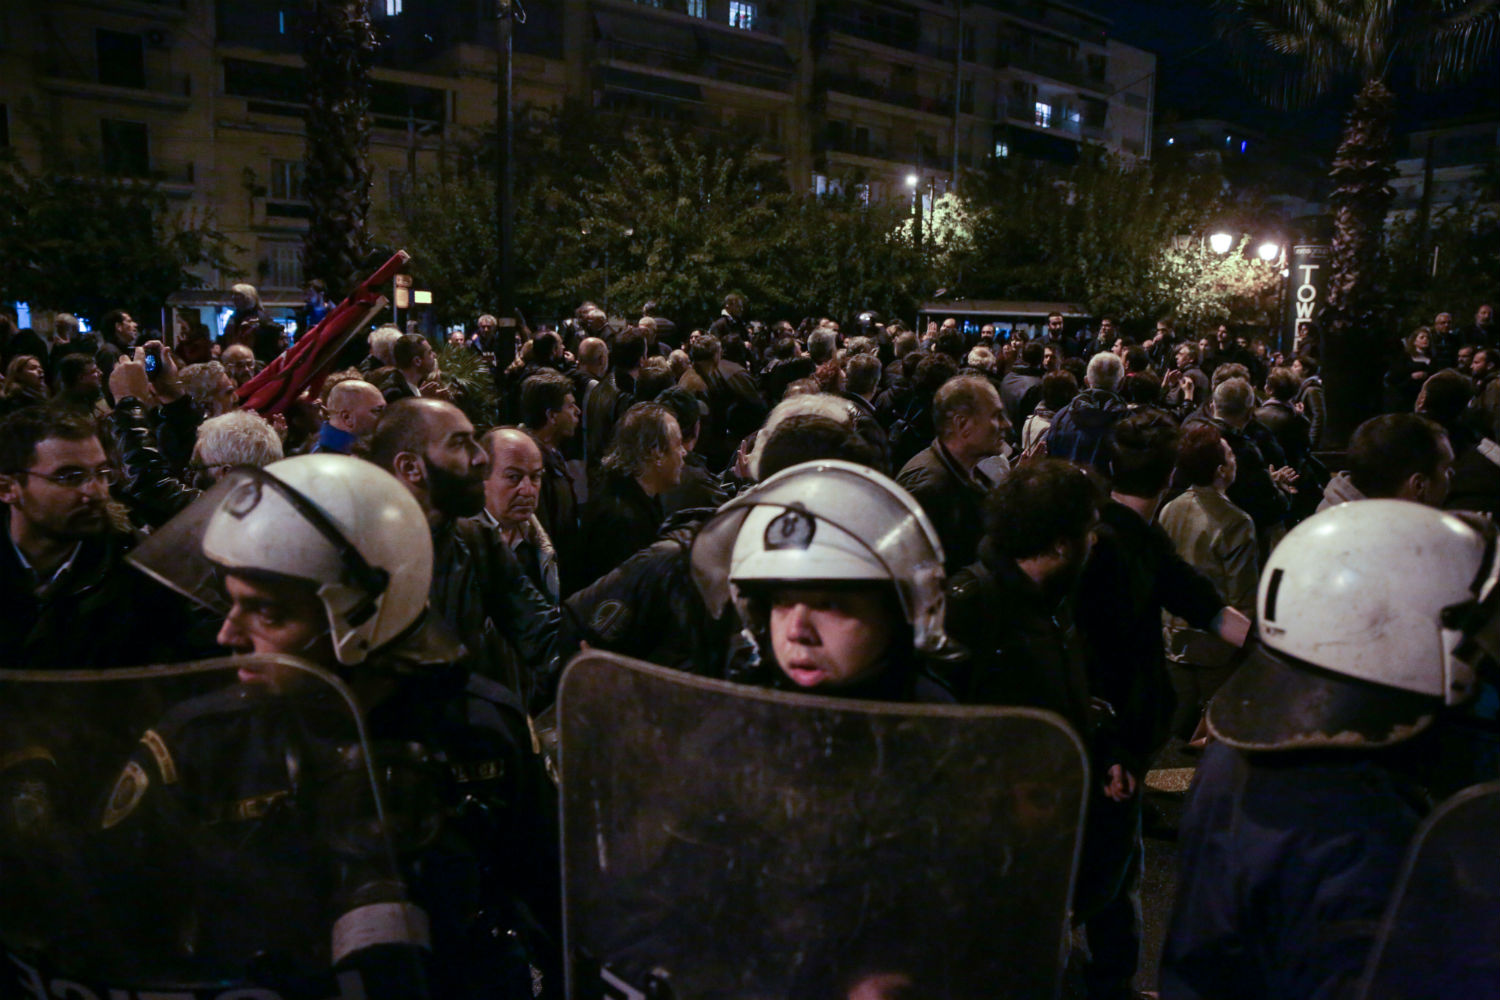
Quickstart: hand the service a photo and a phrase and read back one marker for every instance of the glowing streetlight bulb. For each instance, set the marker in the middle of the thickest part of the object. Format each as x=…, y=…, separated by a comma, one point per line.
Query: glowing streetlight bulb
x=1268, y=252
x=1221, y=242
x=911, y=180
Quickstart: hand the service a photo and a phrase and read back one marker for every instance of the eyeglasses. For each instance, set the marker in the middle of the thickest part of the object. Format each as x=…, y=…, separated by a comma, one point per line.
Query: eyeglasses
x=77, y=479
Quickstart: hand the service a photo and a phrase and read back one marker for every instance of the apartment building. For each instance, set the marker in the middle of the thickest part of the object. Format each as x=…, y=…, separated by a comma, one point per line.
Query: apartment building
x=1450, y=163
x=205, y=97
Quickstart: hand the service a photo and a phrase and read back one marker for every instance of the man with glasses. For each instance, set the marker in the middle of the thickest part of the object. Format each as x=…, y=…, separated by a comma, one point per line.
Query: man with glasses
x=66, y=599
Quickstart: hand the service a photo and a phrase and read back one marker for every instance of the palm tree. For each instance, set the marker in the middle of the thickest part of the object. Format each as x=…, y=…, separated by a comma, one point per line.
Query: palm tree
x=338, y=48
x=1321, y=44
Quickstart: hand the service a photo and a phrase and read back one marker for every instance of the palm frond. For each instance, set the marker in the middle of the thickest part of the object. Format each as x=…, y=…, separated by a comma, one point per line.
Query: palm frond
x=1459, y=44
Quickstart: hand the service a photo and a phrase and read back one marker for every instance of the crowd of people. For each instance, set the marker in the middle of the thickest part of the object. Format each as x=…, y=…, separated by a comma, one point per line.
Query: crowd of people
x=1079, y=522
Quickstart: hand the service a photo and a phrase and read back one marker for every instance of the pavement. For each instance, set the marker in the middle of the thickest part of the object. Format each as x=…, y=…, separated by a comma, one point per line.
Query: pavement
x=1166, y=787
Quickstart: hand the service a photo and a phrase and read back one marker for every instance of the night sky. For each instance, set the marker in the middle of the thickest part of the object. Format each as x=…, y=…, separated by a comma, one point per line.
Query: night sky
x=1196, y=78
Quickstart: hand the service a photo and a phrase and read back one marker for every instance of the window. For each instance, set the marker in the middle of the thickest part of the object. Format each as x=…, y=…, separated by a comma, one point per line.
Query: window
x=968, y=43
x=125, y=147
x=121, y=58
x=286, y=180
x=742, y=15
x=283, y=264
x=393, y=7
x=399, y=187
x=1043, y=116
x=1002, y=149
x=819, y=184
x=1096, y=67
x=966, y=96
x=697, y=8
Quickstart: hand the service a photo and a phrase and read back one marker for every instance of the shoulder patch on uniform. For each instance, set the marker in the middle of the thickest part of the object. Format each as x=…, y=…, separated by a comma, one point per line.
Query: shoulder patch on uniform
x=126, y=795
x=608, y=619
x=161, y=755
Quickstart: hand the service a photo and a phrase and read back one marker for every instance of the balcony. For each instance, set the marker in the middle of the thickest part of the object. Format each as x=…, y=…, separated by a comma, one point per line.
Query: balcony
x=155, y=9
x=1022, y=111
x=156, y=88
x=762, y=24
x=692, y=65
x=903, y=150
x=870, y=91
x=1070, y=71
x=175, y=178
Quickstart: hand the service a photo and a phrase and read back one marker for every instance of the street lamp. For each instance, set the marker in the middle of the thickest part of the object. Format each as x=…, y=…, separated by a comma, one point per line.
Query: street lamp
x=912, y=181
x=1268, y=251
x=1221, y=242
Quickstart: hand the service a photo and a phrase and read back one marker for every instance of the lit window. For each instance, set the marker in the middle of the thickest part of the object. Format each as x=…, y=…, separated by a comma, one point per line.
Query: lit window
x=393, y=7
x=741, y=15
x=697, y=8
x=1002, y=149
x=281, y=21
x=1043, y=115
x=820, y=184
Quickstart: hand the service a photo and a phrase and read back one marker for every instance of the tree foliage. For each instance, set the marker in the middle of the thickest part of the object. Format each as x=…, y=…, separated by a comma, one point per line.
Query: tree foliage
x=1314, y=47
x=88, y=244
x=339, y=47
x=655, y=215
x=637, y=216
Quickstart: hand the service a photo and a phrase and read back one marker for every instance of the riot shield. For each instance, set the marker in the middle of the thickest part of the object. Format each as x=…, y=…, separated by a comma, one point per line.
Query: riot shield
x=214, y=829
x=721, y=841
x=1440, y=937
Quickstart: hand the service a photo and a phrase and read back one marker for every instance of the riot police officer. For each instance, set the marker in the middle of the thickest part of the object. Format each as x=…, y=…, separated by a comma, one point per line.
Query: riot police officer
x=328, y=558
x=838, y=576
x=1333, y=739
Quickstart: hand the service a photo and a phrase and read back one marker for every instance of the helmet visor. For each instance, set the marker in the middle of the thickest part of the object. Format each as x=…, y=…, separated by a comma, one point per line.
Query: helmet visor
x=889, y=526
x=176, y=555
x=1272, y=703
x=173, y=554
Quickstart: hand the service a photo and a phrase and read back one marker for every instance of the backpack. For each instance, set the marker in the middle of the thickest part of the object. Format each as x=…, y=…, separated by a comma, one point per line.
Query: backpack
x=910, y=432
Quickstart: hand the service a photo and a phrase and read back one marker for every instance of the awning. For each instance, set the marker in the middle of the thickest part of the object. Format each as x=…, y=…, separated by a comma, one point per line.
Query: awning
x=651, y=86
x=743, y=49
x=647, y=34
x=993, y=307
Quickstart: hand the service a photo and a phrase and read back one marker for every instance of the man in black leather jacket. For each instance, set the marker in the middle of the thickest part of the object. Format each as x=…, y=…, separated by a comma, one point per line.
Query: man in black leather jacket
x=478, y=586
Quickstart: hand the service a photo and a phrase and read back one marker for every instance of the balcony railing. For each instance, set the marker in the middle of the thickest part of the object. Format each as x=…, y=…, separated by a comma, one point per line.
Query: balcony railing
x=1043, y=64
x=902, y=150
x=705, y=66
x=1019, y=110
x=870, y=91
x=896, y=37
x=760, y=23
x=154, y=81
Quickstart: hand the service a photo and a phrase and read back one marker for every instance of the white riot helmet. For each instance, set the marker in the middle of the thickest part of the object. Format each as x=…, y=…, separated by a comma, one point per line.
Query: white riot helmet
x=1366, y=615
x=340, y=523
x=828, y=522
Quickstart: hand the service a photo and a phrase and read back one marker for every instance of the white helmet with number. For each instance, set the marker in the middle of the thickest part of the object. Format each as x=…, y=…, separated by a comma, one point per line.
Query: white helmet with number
x=1364, y=610
x=340, y=523
x=826, y=521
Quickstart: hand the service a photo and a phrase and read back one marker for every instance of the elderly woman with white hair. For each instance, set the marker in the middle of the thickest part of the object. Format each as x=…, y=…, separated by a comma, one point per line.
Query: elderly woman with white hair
x=241, y=437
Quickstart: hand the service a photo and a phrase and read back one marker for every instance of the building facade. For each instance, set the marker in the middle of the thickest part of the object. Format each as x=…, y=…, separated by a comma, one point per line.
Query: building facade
x=205, y=97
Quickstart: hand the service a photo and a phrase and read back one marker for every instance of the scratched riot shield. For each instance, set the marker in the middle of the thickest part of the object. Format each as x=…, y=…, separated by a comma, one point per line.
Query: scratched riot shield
x=1440, y=938
x=216, y=829
x=728, y=842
